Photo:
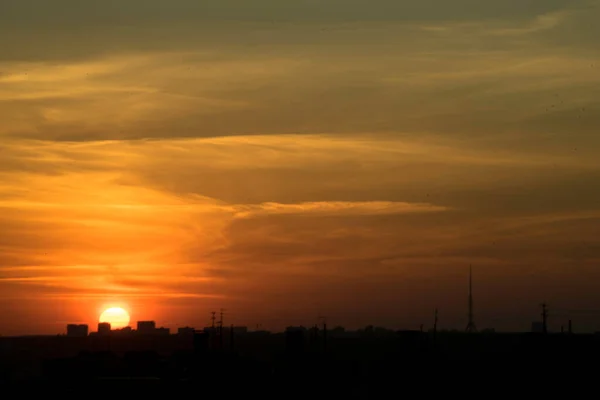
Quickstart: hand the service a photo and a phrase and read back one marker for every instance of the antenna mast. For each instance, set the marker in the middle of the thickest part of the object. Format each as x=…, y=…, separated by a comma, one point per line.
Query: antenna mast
x=471, y=324
x=221, y=328
x=324, y=319
x=545, y=317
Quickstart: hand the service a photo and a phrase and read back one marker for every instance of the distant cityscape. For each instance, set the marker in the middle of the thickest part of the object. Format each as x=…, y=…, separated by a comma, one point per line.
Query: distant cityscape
x=324, y=357
x=318, y=355
x=217, y=327
x=149, y=328
x=146, y=328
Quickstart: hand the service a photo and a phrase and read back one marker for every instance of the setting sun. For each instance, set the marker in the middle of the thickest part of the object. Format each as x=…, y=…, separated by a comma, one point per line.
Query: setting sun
x=116, y=317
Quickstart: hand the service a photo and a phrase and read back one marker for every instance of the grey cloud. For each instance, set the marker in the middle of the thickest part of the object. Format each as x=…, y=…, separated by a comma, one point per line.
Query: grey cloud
x=414, y=249
x=128, y=11
x=541, y=246
x=82, y=30
x=576, y=33
x=576, y=124
x=508, y=190
x=327, y=96
x=481, y=85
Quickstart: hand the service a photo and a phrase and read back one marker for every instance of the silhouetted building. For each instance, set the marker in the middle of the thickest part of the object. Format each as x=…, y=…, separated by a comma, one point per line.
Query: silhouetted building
x=104, y=328
x=240, y=330
x=259, y=333
x=537, y=327
x=146, y=327
x=149, y=328
x=210, y=330
x=411, y=341
x=162, y=331
x=201, y=341
x=337, y=331
x=186, y=331
x=236, y=330
x=294, y=339
x=77, y=330
x=123, y=331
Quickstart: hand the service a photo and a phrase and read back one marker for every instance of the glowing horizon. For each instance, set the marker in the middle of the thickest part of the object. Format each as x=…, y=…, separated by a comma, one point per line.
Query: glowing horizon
x=117, y=317
x=306, y=159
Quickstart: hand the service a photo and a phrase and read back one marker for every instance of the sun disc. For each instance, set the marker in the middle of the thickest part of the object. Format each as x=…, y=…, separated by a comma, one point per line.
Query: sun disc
x=117, y=317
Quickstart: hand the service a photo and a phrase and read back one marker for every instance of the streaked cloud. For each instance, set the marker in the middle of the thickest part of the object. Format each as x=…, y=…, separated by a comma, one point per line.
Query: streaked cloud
x=335, y=208
x=335, y=154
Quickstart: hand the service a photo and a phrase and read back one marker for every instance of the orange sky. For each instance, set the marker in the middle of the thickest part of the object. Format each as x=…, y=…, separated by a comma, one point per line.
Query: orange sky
x=322, y=159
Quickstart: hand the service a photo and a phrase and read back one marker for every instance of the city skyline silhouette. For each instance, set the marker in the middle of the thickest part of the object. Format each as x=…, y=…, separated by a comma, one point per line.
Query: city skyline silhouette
x=324, y=198
x=117, y=320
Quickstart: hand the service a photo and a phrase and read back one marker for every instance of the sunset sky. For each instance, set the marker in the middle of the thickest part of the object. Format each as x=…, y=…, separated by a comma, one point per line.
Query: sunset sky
x=285, y=159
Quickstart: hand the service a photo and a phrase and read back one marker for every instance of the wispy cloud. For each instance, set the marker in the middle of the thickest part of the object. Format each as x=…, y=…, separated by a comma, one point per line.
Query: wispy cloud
x=334, y=208
x=355, y=153
x=64, y=283
x=539, y=24
x=480, y=75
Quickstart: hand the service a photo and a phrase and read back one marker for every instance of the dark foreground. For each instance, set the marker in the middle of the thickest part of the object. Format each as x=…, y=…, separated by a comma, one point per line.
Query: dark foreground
x=401, y=365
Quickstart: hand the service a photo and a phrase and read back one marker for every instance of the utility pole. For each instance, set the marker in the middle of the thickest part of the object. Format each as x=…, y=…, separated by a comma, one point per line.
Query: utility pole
x=471, y=324
x=544, y=317
x=324, y=321
x=212, y=318
x=221, y=328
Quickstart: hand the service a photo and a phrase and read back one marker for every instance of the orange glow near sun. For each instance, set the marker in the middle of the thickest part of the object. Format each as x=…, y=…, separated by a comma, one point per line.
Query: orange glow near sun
x=117, y=317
